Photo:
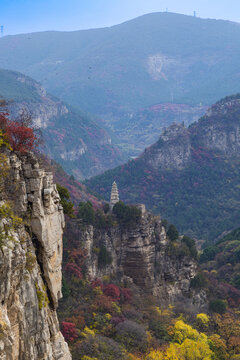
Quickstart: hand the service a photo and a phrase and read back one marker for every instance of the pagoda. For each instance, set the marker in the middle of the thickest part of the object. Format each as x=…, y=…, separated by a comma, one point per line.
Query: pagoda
x=114, y=195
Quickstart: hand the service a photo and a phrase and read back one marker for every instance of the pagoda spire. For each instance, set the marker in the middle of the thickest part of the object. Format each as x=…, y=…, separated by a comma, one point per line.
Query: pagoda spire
x=114, y=195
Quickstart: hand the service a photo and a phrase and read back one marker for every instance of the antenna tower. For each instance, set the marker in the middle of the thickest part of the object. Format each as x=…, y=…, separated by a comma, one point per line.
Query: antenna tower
x=194, y=14
x=1, y=28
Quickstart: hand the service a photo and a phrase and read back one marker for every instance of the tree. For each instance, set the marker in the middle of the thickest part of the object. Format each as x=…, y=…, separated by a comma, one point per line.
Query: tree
x=20, y=133
x=69, y=331
x=218, y=306
x=126, y=214
x=172, y=233
x=86, y=213
x=68, y=207
x=188, y=344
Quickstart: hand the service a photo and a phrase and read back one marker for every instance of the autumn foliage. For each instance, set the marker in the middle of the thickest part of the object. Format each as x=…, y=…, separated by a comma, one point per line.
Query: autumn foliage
x=20, y=135
x=69, y=331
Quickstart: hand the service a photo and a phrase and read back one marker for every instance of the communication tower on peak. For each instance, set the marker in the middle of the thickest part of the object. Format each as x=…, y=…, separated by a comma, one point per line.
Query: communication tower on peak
x=195, y=14
x=1, y=29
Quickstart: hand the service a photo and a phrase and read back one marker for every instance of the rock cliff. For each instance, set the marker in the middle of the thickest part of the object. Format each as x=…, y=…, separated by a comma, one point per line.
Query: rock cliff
x=142, y=257
x=31, y=227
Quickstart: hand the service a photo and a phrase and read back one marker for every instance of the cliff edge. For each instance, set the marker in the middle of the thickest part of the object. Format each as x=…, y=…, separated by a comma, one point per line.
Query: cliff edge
x=31, y=228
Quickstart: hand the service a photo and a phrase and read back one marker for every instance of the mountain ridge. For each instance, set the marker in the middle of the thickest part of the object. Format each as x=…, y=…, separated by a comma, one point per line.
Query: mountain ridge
x=189, y=173
x=87, y=147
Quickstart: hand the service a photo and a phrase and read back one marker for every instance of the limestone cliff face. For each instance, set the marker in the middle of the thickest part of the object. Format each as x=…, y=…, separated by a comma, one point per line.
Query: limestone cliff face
x=30, y=264
x=141, y=256
x=219, y=129
x=172, y=151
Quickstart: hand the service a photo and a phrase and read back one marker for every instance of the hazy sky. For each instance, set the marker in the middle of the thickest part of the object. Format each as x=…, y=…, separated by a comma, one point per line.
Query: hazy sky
x=21, y=16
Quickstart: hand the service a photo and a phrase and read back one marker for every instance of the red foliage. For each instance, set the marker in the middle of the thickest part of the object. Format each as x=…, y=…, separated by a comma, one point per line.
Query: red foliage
x=76, y=261
x=74, y=269
x=96, y=283
x=115, y=320
x=112, y=291
x=102, y=303
x=126, y=295
x=20, y=136
x=69, y=331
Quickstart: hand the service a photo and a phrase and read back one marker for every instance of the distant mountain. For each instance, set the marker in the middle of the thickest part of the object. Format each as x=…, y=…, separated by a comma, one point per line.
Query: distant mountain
x=190, y=175
x=71, y=137
x=114, y=72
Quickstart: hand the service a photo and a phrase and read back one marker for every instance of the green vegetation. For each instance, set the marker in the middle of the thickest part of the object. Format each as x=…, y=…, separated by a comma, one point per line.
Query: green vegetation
x=172, y=233
x=126, y=214
x=86, y=213
x=199, y=281
x=104, y=257
x=68, y=206
x=12, y=225
x=30, y=261
x=43, y=300
x=218, y=306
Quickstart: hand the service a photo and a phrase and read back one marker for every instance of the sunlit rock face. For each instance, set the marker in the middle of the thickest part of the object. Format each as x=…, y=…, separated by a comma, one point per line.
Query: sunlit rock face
x=30, y=265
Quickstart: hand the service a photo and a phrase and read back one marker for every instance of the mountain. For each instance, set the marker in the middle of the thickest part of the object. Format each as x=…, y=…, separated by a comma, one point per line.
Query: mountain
x=71, y=137
x=114, y=72
x=190, y=175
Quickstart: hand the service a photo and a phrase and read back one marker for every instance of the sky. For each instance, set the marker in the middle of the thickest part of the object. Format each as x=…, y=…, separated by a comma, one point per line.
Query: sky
x=23, y=16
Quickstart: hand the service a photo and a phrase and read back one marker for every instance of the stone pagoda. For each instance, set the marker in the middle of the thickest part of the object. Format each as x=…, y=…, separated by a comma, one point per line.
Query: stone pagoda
x=114, y=195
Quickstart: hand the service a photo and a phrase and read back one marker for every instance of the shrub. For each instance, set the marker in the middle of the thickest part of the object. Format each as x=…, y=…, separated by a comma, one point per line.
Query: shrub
x=76, y=262
x=43, y=300
x=198, y=282
x=126, y=295
x=172, y=233
x=164, y=223
x=132, y=335
x=112, y=291
x=218, y=306
x=190, y=243
x=69, y=331
x=159, y=330
x=99, y=347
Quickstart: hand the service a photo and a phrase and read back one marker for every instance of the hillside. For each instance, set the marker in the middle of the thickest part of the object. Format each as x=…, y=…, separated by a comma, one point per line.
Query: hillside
x=113, y=72
x=71, y=137
x=190, y=175
x=133, y=290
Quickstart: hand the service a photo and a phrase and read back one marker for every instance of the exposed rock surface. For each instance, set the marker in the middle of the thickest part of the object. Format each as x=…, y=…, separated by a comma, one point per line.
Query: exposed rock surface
x=173, y=149
x=30, y=265
x=141, y=256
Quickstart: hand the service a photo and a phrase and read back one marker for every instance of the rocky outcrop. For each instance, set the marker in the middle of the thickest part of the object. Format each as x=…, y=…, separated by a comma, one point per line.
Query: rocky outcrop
x=172, y=151
x=30, y=264
x=141, y=256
